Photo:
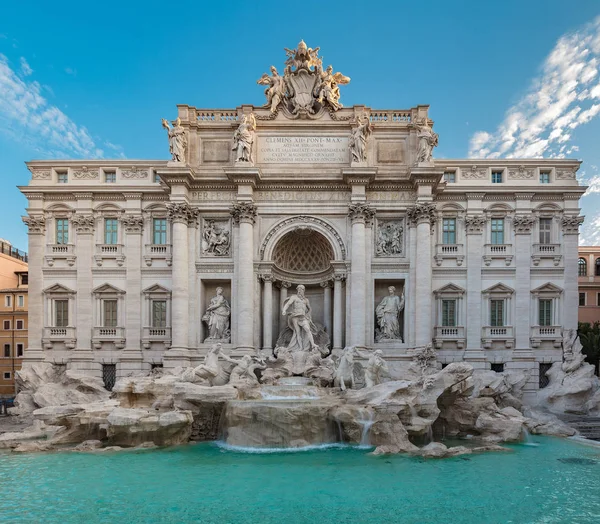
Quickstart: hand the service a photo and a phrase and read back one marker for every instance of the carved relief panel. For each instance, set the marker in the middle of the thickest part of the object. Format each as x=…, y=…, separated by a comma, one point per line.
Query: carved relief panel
x=216, y=237
x=389, y=238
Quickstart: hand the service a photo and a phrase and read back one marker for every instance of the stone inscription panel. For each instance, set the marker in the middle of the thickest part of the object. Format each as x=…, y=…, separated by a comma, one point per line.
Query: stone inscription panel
x=303, y=150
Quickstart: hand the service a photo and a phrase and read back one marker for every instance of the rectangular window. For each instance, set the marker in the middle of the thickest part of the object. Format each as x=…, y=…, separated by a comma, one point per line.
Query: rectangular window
x=6, y=375
x=8, y=300
x=545, y=230
x=159, y=226
x=20, y=324
x=159, y=313
x=62, y=231
x=61, y=313
x=109, y=375
x=110, y=177
x=544, y=177
x=496, y=177
x=6, y=324
x=156, y=178
x=110, y=313
x=449, y=231
x=544, y=380
x=20, y=348
x=62, y=178
x=498, y=368
x=582, y=299
x=25, y=279
x=497, y=313
x=497, y=230
x=448, y=313
x=7, y=350
x=545, y=306
x=111, y=230
x=450, y=178
x=598, y=299
x=20, y=301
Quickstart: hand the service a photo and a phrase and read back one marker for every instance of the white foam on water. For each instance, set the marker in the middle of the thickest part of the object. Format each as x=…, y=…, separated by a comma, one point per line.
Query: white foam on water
x=315, y=447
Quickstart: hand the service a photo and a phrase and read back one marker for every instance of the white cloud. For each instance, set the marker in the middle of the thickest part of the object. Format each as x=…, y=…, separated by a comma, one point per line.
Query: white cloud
x=25, y=67
x=590, y=231
x=560, y=99
x=27, y=117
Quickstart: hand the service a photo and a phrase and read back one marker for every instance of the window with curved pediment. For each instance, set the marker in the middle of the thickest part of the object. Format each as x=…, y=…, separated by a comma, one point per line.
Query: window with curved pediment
x=303, y=251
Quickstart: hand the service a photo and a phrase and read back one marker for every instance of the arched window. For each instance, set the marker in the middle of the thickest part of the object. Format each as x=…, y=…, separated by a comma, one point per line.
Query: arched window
x=582, y=267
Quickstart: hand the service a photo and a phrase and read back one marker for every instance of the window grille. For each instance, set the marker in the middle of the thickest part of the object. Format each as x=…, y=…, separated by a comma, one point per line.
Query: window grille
x=109, y=375
x=498, y=368
x=544, y=379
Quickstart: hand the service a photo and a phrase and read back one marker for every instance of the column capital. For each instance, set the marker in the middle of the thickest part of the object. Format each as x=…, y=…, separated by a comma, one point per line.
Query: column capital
x=133, y=223
x=181, y=212
x=474, y=224
x=267, y=278
x=326, y=284
x=361, y=212
x=421, y=213
x=284, y=285
x=570, y=224
x=243, y=212
x=523, y=224
x=339, y=277
x=84, y=224
x=35, y=223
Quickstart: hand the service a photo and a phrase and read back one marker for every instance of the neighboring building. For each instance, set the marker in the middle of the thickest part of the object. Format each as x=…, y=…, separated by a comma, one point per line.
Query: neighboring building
x=125, y=256
x=589, y=283
x=13, y=315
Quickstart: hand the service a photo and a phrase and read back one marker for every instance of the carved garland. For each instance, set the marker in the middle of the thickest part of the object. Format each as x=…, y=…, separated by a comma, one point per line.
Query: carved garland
x=475, y=223
x=134, y=172
x=303, y=219
x=35, y=224
x=523, y=224
x=40, y=175
x=566, y=174
x=85, y=174
x=133, y=223
x=84, y=223
x=520, y=173
x=570, y=224
x=472, y=173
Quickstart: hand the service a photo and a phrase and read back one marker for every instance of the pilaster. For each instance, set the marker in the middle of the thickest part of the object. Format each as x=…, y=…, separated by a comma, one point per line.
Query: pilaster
x=522, y=225
x=570, y=231
x=474, y=225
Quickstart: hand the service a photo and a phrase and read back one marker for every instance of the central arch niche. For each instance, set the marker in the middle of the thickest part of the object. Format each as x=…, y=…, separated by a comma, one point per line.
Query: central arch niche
x=303, y=254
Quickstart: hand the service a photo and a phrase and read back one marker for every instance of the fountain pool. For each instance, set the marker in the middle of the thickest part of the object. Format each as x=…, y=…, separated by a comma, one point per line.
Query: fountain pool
x=556, y=481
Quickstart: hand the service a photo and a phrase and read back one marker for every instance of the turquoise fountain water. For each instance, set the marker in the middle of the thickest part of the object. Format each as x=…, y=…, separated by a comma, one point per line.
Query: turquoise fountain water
x=556, y=481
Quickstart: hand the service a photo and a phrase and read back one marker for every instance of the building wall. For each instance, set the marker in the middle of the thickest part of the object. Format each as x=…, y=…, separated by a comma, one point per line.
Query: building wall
x=589, y=284
x=8, y=266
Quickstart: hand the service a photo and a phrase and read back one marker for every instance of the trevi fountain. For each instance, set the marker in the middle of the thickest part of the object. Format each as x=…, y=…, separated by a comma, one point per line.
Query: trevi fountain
x=301, y=426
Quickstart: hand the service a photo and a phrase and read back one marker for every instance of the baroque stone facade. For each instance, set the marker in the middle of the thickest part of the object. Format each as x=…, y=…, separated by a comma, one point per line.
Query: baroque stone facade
x=480, y=253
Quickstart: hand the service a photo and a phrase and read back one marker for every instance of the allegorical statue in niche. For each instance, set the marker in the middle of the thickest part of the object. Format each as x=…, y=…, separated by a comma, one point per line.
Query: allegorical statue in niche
x=211, y=370
x=217, y=317
x=177, y=140
x=428, y=139
x=388, y=316
x=328, y=89
x=358, y=139
x=297, y=309
x=389, y=239
x=275, y=93
x=243, y=138
x=217, y=239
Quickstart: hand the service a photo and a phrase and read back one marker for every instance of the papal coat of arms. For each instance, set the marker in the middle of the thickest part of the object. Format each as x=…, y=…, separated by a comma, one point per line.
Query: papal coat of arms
x=305, y=88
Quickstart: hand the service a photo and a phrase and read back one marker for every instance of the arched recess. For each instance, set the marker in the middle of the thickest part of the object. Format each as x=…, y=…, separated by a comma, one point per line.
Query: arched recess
x=302, y=222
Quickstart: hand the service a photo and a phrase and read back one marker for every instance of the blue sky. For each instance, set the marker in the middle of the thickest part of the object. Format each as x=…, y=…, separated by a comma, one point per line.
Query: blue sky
x=93, y=80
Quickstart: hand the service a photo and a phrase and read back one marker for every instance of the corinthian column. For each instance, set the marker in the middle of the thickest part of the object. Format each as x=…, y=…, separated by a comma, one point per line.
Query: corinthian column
x=267, y=313
x=359, y=214
x=423, y=215
x=179, y=214
x=327, y=307
x=338, y=312
x=37, y=231
x=244, y=214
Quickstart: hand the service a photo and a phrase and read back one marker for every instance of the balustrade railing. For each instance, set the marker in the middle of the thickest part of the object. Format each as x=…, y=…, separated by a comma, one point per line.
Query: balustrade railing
x=500, y=332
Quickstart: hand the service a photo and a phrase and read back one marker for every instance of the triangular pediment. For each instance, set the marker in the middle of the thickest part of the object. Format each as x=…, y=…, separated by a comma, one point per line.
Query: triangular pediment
x=59, y=288
x=450, y=289
x=108, y=288
x=499, y=288
x=156, y=288
x=548, y=287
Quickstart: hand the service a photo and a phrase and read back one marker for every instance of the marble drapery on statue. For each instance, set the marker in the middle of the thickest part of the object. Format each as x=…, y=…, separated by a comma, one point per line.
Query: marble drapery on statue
x=177, y=140
x=297, y=309
x=243, y=139
x=428, y=139
x=388, y=316
x=275, y=93
x=217, y=317
x=358, y=139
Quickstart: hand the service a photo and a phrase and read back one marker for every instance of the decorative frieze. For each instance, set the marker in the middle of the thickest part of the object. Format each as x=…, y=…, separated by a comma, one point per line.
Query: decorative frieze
x=422, y=213
x=474, y=224
x=41, y=174
x=133, y=223
x=570, y=224
x=566, y=174
x=390, y=238
x=361, y=212
x=84, y=224
x=36, y=224
x=243, y=212
x=521, y=173
x=134, y=173
x=473, y=173
x=523, y=224
x=86, y=174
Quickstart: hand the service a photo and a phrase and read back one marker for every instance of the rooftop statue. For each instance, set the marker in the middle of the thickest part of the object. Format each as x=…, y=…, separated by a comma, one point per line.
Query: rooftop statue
x=243, y=138
x=305, y=88
x=428, y=139
x=358, y=139
x=177, y=140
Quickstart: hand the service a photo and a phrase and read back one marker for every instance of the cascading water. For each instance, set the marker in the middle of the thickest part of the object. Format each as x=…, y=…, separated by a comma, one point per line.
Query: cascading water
x=366, y=421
